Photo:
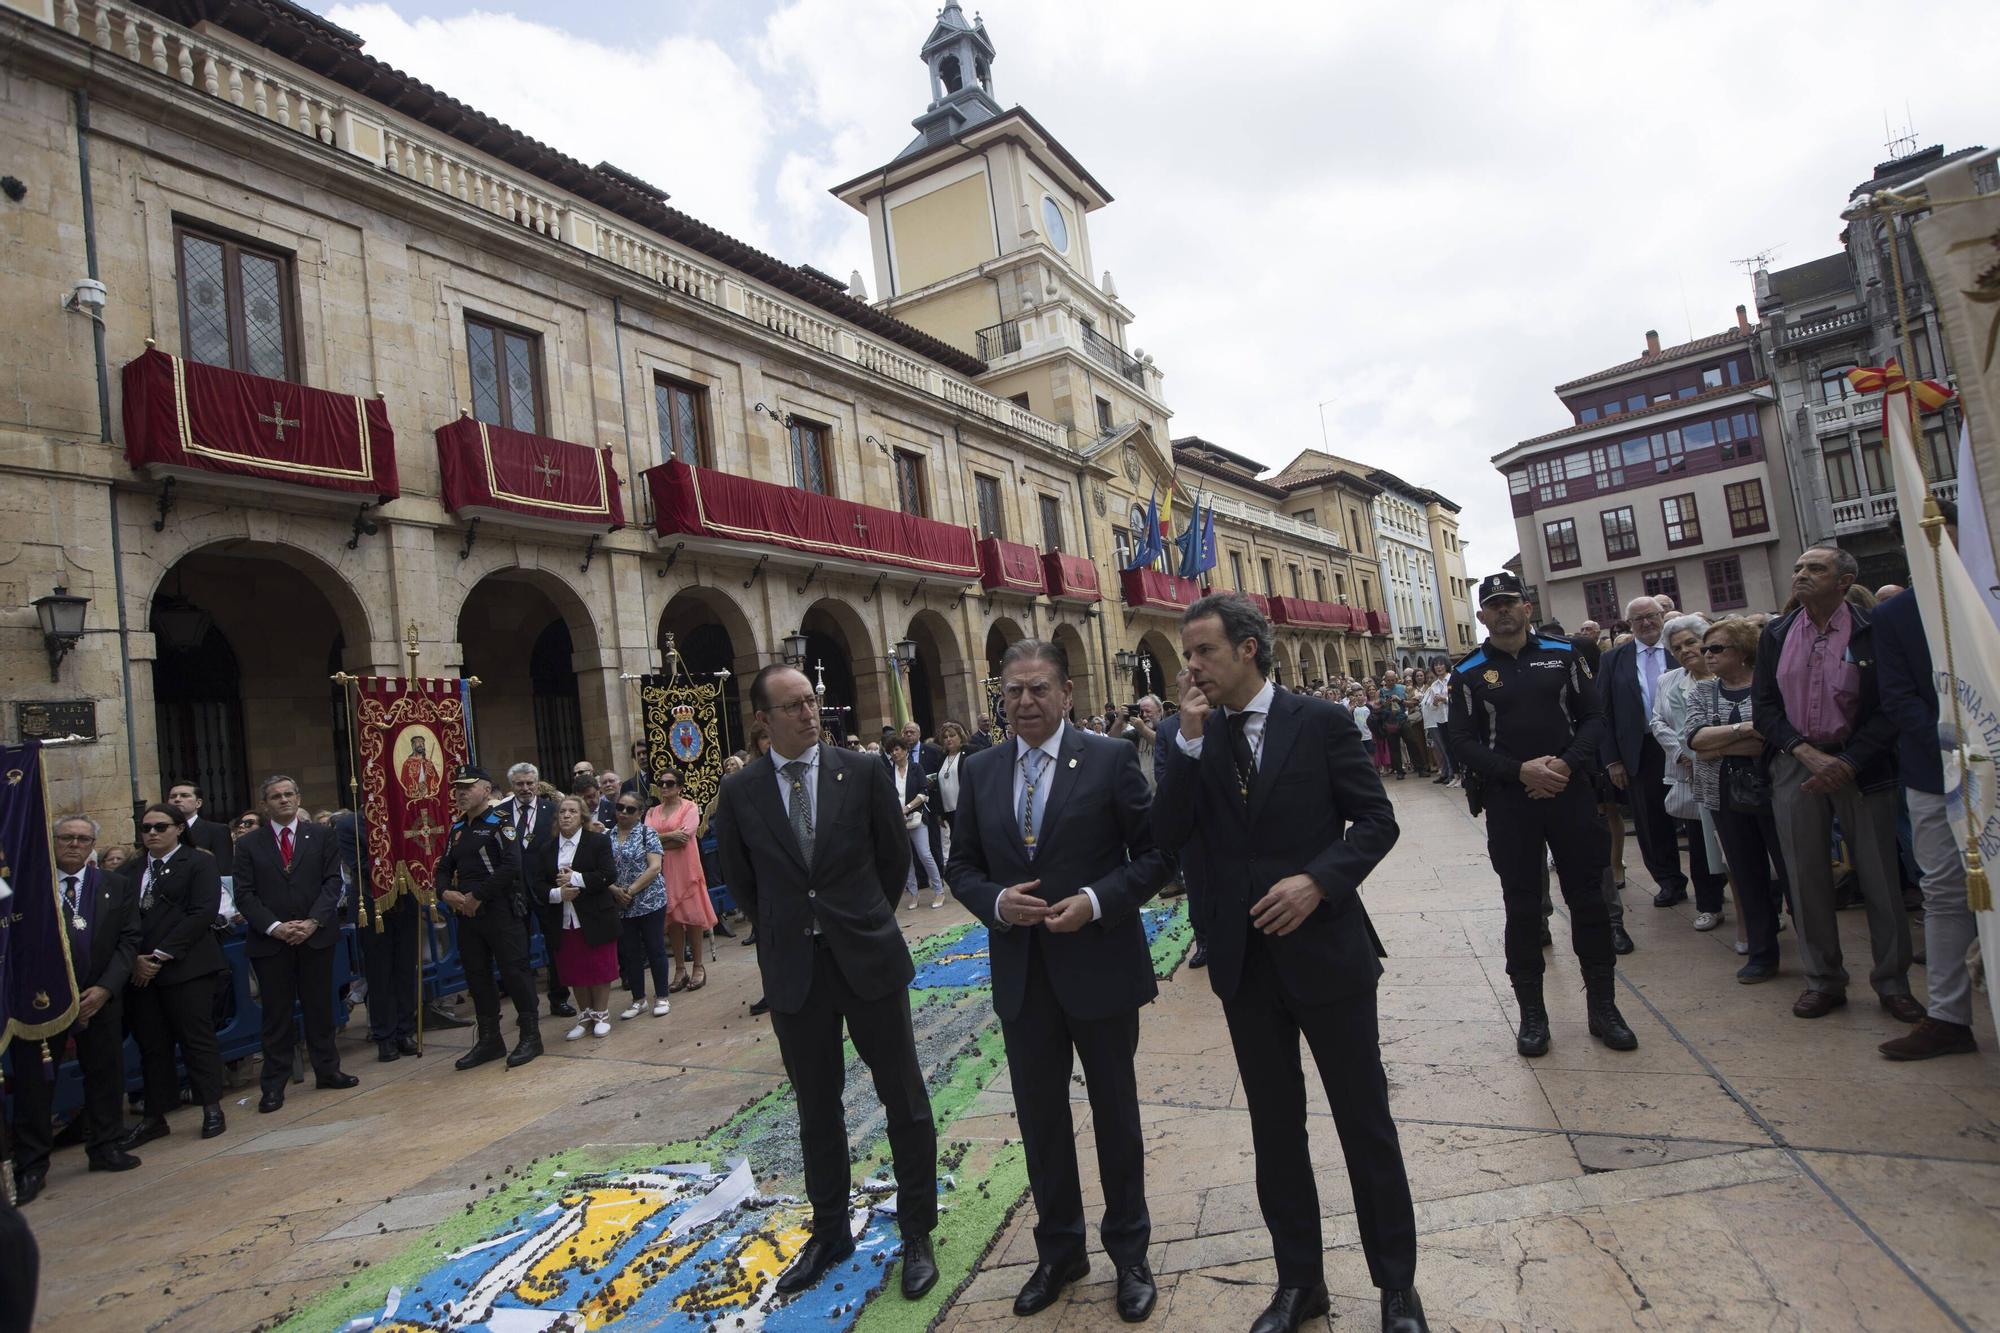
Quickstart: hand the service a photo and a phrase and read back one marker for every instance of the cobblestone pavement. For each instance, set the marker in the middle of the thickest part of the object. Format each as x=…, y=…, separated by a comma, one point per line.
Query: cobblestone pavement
x=1742, y=1168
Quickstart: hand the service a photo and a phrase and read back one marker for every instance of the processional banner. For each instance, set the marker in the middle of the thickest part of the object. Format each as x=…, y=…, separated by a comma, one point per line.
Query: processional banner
x=683, y=733
x=37, y=977
x=411, y=734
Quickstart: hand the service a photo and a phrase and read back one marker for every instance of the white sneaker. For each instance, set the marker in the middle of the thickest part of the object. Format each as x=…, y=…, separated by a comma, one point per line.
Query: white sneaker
x=638, y=1007
x=1707, y=920
x=910, y=903
x=576, y=1033
x=598, y=1027
x=660, y=1007
x=937, y=900
x=1742, y=946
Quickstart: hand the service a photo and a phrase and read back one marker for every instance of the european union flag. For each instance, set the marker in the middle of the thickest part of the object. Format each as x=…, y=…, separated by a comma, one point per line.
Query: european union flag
x=37, y=979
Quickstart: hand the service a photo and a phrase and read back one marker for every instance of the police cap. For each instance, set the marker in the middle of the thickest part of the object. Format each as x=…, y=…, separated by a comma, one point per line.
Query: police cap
x=467, y=774
x=1504, y=584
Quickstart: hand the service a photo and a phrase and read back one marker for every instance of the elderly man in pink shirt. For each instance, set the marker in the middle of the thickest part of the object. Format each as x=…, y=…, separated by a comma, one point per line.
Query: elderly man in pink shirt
x=1832, y=753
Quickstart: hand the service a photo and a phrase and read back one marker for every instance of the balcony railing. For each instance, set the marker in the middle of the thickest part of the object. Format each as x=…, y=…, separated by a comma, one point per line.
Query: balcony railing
x=1258, y=516
x=999, y=340
x=1846, y=414
x=1114, y=356
x=1867, y=512
x=1808, y=330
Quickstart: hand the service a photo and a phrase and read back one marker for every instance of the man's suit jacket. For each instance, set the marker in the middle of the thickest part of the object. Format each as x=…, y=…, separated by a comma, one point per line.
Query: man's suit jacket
x=1907, y=684
x=545, y=824
x=1316, y=808
x=1193, y=855
x=186, y=896
x=1095, y=833
x=268, y=892
x=212, y=838
x=861, y=854
x=596, y=910
x=1627, y=723
x=1871, y=747
x=114, y=930
x=977, y=740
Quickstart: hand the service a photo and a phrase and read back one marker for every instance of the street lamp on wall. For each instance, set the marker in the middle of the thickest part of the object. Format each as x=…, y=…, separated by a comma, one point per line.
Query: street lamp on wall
x=906, y=651
x=61, y=614
x=795, y=649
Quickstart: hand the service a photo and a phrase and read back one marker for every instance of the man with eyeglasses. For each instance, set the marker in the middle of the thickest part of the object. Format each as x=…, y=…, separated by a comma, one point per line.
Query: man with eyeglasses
x=103, y=926
x=479, y=878
x=814, y=849
x=1524, y=724
x=1629, y=677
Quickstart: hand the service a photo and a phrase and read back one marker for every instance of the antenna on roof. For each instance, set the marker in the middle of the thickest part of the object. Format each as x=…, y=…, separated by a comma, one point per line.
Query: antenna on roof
x=1899, y=145
x=1761, y=260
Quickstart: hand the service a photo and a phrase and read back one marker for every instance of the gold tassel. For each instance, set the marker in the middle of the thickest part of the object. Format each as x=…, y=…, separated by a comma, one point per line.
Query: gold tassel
x=49, y=1062
x=1978, y=893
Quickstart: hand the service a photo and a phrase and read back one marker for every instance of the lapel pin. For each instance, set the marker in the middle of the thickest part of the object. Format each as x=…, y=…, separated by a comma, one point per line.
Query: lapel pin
x=1072, y=763
x=840, y=777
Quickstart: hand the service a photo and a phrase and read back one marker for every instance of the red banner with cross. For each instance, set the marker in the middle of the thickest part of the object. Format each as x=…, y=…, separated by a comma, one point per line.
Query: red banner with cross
x=410, y=735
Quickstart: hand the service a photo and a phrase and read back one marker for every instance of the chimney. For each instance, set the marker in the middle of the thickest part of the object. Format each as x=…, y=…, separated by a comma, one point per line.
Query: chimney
x=1742, y=319
x=1652, y=342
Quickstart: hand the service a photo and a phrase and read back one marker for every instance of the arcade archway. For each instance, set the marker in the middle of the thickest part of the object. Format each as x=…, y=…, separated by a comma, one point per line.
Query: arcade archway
x=842, y=658
x=529, y=705
x=1004, y=634
x=940, y=687
x=712, y=635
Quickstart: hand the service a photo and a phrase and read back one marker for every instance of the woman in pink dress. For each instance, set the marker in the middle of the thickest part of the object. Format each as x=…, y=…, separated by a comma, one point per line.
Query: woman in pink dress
x=689, y=912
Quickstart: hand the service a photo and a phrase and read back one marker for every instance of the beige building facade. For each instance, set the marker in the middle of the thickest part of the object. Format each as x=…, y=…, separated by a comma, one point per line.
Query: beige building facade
x=258, y=195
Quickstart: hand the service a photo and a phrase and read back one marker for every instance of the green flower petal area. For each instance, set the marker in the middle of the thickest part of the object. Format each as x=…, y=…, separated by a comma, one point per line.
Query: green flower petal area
x=693, y=1235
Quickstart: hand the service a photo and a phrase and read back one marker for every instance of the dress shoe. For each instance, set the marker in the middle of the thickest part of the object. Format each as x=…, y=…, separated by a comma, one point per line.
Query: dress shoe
x=336, y=1080
x=1291, y=1307
x=1751, y=973
x=760, y=1005
x=272, y=1100
x=1402, y=1312
x=1046, y=1283
x=441, y=1018
x=562, y=1009
x=488, y=1047
x=1818, y=1003
x=28, y=1184
x=112, y=1159
x=1136, y=1293
x=385, y=1051
x=152, y=1127
x=723, y=931
x=1931, y=1037
x=820, y=1254
x=212, y=1123
x=1199, y=958
x=1621, y=943
x=919, y=1266
x=748, y=940
x=408, y=1046
x=1903, y=1009
x=526, y=1049
x=1669, y=897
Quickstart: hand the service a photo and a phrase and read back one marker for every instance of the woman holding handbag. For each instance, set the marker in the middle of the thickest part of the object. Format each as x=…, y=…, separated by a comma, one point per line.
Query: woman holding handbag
x=1682, y=636
x=1730, y=781
x=579, y=866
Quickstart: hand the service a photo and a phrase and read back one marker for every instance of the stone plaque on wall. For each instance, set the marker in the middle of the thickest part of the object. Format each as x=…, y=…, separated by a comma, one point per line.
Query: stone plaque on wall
x=50, y=719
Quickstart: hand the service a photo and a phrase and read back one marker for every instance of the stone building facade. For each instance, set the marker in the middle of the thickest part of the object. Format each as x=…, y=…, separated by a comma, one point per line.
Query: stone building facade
x=254, y=192
x=1669, y=479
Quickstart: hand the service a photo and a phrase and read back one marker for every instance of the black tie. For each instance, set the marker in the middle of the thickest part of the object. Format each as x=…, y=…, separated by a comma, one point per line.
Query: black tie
x=1239, y=751
x=152, y=878
x=69, y=895
x=521, y=822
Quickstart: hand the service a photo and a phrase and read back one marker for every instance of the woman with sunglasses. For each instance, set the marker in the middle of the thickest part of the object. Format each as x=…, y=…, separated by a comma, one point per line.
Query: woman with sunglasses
x=676, y=820
x=642, y=902
x=579, y=866
x=1722, y=732
x=247, y=822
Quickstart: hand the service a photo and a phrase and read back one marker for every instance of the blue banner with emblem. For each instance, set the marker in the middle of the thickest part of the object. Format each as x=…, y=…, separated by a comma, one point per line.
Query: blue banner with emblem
x=37, y=978
x=683, y=733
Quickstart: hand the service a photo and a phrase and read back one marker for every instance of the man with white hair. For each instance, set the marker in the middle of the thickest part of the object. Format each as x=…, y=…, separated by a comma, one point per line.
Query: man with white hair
x=532, y=822
x=1628, y=678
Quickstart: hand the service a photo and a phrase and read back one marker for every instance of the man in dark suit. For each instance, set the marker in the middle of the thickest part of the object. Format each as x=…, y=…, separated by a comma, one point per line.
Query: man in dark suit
x=1285, y=781
x=1052, y=848
x=170, y=999
x=982, y=734
x=1192, y=856
x=388, y=955
x=813, y=845
x=207, y=834
x=288, y=890
x=533, y=817
x=1629, y=677
x=100, y=914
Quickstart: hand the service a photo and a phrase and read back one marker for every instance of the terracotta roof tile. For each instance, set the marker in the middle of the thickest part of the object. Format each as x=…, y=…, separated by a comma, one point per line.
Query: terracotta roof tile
x=1705, y=344
x=1653, y=409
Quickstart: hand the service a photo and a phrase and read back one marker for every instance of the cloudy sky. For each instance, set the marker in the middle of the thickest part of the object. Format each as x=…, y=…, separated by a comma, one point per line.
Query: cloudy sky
x=1420, y=223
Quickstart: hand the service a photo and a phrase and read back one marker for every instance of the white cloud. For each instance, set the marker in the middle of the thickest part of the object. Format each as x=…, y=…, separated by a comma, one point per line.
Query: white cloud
x=1430, y=215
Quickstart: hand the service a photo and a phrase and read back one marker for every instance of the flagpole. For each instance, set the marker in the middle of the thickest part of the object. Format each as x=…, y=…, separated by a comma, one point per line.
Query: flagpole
x=364, y=892
x=1978, y=892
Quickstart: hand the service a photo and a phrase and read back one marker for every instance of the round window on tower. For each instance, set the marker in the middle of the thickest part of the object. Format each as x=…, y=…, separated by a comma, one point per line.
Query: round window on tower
x=1054, y=226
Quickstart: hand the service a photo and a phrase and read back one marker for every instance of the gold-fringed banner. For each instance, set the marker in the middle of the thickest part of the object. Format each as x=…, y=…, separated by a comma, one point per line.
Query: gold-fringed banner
x=683, y=732
x=412, y=734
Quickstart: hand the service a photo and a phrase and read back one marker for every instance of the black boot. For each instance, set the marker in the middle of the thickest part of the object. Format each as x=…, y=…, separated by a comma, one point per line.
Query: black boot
x=1533, y=1038
x=1606, y=1023
x=488, y=1047
x=530, y=1044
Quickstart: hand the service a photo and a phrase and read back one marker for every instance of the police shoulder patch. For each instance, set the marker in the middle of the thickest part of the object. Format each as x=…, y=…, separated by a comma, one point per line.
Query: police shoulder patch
x=1471, y=660
x=1557, y=645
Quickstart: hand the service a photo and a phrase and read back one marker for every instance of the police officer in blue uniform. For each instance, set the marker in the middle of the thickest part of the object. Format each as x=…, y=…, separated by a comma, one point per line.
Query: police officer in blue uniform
x=1524, y=725
x=479, y=878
